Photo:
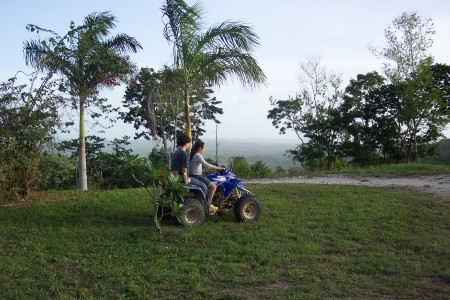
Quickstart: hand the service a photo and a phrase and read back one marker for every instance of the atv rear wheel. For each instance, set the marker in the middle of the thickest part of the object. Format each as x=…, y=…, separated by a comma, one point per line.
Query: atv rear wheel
x=247, y=209
x=192, y=214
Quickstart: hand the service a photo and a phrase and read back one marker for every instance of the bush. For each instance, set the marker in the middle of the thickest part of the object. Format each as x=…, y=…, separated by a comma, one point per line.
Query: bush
x=239, y=166
x=260, y=170
x=58, y=172
x=28, y=117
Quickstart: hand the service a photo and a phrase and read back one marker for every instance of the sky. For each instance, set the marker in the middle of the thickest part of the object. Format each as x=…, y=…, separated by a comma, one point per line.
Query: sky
x=290, y=31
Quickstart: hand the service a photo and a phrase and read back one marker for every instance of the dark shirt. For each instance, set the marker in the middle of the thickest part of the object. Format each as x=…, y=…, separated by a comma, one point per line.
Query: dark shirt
x=179, y=160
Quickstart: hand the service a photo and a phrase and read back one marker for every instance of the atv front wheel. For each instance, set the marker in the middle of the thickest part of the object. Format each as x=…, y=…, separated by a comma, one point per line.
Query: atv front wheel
x=192, y=214
x=247, y=209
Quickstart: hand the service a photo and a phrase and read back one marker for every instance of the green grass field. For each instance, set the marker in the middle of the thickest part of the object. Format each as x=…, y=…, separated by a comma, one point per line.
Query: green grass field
x=312, y=241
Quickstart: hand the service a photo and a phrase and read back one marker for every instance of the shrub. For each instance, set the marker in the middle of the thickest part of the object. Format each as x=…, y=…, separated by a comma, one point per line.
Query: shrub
x=240, y=166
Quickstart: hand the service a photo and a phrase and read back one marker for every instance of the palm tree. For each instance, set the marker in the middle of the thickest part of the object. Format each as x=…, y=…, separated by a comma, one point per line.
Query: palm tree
x=211, y=56
x=89, y=59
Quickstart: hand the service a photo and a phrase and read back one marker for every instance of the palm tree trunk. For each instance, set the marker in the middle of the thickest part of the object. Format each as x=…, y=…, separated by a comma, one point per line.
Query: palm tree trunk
x=187, y=115
x=166, y=149
x=82, y=169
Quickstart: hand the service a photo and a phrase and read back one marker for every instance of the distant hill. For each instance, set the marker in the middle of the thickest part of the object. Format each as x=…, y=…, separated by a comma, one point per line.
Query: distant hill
x=271, y=152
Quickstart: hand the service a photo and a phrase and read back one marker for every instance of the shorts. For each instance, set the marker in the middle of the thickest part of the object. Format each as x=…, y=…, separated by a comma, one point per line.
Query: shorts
x=202, y=178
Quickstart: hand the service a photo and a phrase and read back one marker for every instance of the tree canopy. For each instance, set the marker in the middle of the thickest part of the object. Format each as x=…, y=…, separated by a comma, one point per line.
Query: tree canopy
x=90, y=59
x=209, y=56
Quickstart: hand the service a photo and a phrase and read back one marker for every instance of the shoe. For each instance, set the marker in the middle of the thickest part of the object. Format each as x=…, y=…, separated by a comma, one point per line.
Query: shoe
x=213, y=209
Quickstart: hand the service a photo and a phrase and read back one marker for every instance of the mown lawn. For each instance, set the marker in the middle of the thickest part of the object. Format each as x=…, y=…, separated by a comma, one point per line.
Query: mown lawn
x=312, y=241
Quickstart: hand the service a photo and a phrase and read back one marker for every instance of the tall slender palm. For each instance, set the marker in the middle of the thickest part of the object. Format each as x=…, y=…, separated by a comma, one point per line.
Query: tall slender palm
x=209, y=56
x=89, y=58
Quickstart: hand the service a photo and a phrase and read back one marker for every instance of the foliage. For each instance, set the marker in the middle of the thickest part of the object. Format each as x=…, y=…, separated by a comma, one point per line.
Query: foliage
x=407, y=43
x=154, y=102
x=106, y=170
x=158, y=157
x=312, y=114
x=408, y=66
x=89, y=59
x=442, y=154
x=379, y=120
x=164, y=187
x=208, y=56
x=260, y=170
x=58, y=172
x=239, y=166
x=27, y=120
x=331, y=241
x=393, y=123
x=441, y=82
x=362, y=113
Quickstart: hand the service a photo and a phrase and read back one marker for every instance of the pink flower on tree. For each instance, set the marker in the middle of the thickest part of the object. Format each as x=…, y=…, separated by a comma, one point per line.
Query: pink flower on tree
x=111, y=80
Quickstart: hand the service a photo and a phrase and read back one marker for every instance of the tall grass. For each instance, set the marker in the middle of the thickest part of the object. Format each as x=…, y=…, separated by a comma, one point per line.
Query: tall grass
x=311, y=242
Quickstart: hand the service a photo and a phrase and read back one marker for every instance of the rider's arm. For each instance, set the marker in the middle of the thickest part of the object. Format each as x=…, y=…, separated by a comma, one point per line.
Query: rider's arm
x=185, y=175
x=206, y=164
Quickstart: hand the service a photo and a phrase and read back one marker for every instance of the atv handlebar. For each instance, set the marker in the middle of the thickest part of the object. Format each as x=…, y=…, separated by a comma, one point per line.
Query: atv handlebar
x=224, y=171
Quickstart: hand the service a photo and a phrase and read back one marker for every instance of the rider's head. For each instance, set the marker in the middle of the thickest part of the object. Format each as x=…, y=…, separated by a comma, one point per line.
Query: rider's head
x=183, y=140
x=198, y=145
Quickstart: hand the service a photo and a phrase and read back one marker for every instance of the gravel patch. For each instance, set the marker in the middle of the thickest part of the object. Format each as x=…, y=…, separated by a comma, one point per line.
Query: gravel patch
x=435, y=184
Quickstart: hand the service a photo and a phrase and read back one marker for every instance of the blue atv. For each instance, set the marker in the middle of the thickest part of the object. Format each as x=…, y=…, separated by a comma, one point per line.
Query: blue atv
x=231, y=195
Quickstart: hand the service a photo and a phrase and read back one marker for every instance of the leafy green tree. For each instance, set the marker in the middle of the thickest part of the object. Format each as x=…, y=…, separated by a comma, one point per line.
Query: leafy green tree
x=372, y=121
x=380, y=124
x=90, y=59
x=312, y=114
x=165, y=188
x=422, y=111
x=407, y=65
x=260, y=170
x=29, y=116
x=359, y=119
x=154, y=102
x=279, y=171
x=442, y=153
x=158, y=157
x=58, y=172
x=407, y=43
x=105, y=169
x=441, y=82
x=209, y=56
x=239, y=166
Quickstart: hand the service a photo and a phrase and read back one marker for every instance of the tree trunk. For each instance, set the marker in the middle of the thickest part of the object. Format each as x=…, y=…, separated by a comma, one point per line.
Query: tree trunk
x=187, y=115
x=82, y=169
x=166, y=148
x=217, y=148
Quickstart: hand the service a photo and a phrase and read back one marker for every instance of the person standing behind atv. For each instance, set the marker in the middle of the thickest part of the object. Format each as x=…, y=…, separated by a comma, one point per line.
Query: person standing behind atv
x=196, y=163
x=179, y=164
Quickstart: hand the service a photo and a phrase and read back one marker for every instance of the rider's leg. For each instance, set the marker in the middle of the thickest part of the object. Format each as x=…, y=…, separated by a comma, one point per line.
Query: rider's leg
x=212, y=189
x=201, y=185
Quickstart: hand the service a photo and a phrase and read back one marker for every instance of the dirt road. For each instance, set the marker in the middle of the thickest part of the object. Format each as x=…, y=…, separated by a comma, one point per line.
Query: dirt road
x=435, y=184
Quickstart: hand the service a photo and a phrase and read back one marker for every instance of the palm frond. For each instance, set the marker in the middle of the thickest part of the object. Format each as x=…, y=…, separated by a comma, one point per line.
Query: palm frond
x=183, y=21
x=217, y=67
x=123, y=43
x=33, y=53
x=229, y=35
x=100, y=22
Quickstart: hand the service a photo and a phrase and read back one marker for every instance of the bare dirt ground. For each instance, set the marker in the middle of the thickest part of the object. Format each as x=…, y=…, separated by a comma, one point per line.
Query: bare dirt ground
x=434, y=184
